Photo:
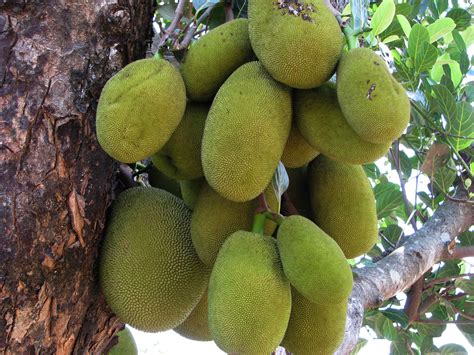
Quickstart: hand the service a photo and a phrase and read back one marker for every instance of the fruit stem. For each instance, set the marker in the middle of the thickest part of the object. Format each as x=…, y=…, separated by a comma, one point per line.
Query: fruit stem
x=275, y=217
x=259, y=223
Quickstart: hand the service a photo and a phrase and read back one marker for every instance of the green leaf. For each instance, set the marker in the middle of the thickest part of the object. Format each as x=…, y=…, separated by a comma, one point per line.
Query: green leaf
x=406, y=27
x=382, y=17
x=452, y=349
x=437, y=71
x=418, y=35
x=450, y=268
x=166, y=11
x=445, y=103
x=467, y=285
x=400, y=347
x=393, y=233
x=461, y=17
x=202, y=4
x=360, y=344
x=440, y=28
x=467, y=238
x=444, y=178
x=425, y=57
x=372, y=171
x=431, y=330
x=388, y=330
x=461, y=125
x=396, y=315
x=388, y=198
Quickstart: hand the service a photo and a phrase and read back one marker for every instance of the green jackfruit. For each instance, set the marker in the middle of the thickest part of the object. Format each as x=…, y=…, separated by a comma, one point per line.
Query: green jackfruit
x=297, y=151
x=196, y=326
x=216, y=218
x=245, y=134
x=314, y=329
x=150, y=273
x=320, y=121
x=298, y=191
x=343, y=204
x=139, y=108
x=249, y=296
x=313, y=262
x=157, y=179
x=299, y=44
x=190, y=190
x=374, y=104
x=126, y=344
x=212, y=58
x=180, y=158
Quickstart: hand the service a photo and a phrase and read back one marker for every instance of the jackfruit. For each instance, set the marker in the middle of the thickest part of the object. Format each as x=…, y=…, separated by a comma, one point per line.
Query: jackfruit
x=314, y=329
x=150, y=273
x=126, y=344
x=298, y=191
x=180, y=158
x=245, y=133
x=298, y=42
x=297, y=151
x=196, y=326
x=321, y=123
x=190, y=191
x=157, y=179
x=374, y=104
x=343, y=204
x=249, y=296
x=216, y=218
x=139, y=108
x=212, y=58
x=313, y=262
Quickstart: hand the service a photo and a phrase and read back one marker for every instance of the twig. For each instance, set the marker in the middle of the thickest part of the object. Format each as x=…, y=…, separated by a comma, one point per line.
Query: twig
x=439, y=321
x=427, y=303
x=459, y=253
x=458, y=311
x=192, y=29
x=396, y=159
x=414, y=299
x=445, y=279
x=229, y=14
x=333, y=11
x=126, y=176
x=174, y=23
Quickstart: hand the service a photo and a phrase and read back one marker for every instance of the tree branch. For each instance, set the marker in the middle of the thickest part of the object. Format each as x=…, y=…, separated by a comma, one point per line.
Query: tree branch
x=397, y=271
x=459, y=253
x=174, y=23
x=192, y=29
x=445, y=279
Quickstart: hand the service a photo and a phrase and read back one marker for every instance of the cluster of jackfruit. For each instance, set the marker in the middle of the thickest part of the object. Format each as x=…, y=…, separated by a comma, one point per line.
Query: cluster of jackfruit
x=187, y=252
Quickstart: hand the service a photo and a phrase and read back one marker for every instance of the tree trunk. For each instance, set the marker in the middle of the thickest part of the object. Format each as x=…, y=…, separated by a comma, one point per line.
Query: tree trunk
x=55, y=57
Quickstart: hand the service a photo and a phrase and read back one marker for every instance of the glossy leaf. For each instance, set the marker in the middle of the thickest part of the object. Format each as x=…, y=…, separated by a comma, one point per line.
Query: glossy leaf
x=461, y=126
x=461, y=17
x=388, y=198
x=405, y=24
x=440, y=28
x=452, y=349
x=382, y=17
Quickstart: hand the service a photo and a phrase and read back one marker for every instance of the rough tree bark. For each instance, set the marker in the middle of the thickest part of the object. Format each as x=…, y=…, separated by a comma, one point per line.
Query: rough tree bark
x=399, y=270
x=55, y=56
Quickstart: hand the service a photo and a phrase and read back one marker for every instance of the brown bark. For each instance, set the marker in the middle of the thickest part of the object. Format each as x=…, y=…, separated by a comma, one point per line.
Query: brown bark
x=55, y=57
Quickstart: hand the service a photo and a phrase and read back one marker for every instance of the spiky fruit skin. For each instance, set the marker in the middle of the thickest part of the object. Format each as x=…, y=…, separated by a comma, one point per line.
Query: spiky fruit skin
x=343, y=204
x=322, y=124
x=314, y=329
x=150, y=273
x=301, y=53
x=196, y=326
x=157, y=179
x=180, y=158
x=211, y=59
x=190, y=191
x=245, y=133
x=298, y=191
x=297, y=152
x=126, y=344
x=139, y=108
x=249, y=296
x=215, y=218
x=313, y=262
x=374, y=104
